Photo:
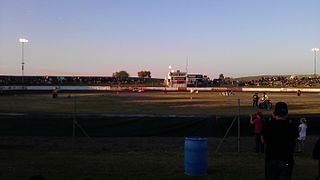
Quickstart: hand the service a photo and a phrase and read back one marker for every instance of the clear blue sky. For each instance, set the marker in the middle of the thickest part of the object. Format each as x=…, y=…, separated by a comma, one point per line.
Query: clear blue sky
x=99, y=37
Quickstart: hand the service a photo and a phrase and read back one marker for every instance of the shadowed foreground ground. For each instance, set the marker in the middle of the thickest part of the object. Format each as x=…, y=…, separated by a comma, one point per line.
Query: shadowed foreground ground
x=133, y=158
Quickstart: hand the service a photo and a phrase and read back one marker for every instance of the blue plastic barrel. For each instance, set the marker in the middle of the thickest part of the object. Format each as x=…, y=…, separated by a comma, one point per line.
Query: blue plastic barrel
x=195, y=156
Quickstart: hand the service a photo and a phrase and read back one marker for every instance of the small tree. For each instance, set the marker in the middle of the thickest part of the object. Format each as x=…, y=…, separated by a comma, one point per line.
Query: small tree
x=144, y=74
x=221, y=76
x=121, y=75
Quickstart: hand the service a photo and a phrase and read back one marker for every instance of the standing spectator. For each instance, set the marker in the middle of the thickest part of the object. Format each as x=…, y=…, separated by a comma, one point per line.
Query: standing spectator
x=298, y=92
x=265, y=102
x=316, y=155
x=302, y=134
x=55, y=92
x=255, y=100
x=264, y=97
x=258, y=123
x=279, y=136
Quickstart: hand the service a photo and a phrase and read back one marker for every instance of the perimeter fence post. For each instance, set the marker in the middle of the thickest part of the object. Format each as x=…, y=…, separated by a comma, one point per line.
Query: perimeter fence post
x=74, y=121
x=225, y=135
x=76, y=124
x=229, y=128
x=238, y=124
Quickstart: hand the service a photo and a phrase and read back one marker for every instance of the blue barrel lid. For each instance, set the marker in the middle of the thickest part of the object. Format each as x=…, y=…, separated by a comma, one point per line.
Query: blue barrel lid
x=196, y=138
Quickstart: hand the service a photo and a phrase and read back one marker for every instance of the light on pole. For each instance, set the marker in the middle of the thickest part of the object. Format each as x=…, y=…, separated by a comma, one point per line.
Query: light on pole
x=315, y=50
x=22, y=40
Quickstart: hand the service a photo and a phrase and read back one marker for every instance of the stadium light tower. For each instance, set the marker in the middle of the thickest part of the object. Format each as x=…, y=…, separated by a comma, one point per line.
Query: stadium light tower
x=22, y=40
x=315, y=50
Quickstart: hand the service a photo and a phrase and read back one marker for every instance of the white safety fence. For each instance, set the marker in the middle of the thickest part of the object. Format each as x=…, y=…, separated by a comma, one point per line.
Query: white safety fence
x=193, y=89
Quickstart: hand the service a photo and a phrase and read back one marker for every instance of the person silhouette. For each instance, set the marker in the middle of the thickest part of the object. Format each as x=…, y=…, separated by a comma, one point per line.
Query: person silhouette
x=316, y=155
x=279, y=136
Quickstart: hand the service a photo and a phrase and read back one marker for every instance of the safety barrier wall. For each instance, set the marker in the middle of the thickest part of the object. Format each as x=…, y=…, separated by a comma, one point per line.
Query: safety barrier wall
x=116, y=88
x=49, y=88
x=82, y=88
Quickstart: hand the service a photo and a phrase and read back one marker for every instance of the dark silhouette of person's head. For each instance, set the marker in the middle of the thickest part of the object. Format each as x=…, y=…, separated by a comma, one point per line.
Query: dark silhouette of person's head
x=37, y=177
x=281, y=109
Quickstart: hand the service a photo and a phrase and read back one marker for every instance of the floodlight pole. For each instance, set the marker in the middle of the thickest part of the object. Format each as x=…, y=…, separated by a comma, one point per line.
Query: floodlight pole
x=22, y=40
x=315, y=50
x=22, y=63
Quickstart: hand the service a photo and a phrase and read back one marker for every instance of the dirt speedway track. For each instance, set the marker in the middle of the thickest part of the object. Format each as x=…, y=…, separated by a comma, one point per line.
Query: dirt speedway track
x=158, y=103
x=129, y=114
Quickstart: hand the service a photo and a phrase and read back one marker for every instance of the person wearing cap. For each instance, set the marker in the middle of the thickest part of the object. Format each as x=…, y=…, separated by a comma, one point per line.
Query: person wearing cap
x=279, y=136
x=302, y=134
x=255, y=100
x=258, y=123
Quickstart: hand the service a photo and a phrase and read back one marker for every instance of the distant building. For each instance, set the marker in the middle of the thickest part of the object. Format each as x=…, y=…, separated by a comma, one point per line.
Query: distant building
x=176, y=79
x=195, y=80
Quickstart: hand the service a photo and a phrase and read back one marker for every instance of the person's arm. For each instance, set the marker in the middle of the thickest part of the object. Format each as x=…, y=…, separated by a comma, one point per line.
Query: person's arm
x=251, y=120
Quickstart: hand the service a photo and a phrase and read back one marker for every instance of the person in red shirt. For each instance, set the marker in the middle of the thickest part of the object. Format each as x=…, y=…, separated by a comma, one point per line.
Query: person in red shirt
x=298, y=92
x=257, y=121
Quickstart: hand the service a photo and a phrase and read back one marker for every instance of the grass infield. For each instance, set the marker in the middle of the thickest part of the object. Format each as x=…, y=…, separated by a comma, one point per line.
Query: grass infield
x=177, y=103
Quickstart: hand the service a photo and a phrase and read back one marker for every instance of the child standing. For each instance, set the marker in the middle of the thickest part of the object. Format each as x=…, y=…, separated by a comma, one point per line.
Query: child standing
x=258, y=123
x=302, y=134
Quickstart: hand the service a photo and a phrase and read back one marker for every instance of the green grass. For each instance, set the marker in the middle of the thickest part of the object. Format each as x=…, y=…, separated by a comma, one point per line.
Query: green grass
x=204, y=103
x=138, y=165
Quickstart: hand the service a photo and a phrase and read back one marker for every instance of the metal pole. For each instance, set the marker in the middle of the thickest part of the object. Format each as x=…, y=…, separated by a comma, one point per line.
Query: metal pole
x=315, y=50
x=74, y=123
x=225, y=135
x=22, y=63
x=187, y=63
x=315, y=63
x=238, y=124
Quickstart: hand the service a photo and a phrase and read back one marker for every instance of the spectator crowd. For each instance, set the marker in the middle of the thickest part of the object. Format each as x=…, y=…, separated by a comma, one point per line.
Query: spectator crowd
x=283, y=81
x=75, y=80
x=269, y=81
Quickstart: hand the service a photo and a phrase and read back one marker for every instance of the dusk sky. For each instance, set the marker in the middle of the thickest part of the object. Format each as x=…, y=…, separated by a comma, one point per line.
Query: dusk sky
x=99, y=37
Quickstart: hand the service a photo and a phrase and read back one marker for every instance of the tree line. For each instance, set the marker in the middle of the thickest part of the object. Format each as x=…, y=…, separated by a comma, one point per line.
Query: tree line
x=121, y=75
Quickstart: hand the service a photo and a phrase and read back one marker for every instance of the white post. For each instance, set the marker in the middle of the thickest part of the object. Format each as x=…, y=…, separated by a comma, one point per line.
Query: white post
x=315, y=50
x=22, y=40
